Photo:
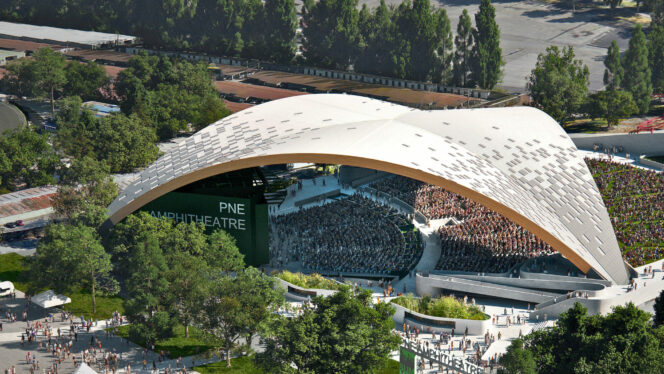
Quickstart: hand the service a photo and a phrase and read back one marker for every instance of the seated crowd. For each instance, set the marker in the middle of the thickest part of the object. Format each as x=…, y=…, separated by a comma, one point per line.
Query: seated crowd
x=354, y=234
x=634, y=198
x=484, y=241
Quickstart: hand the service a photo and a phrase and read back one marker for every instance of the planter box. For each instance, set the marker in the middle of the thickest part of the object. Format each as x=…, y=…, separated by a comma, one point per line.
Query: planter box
x=300, y=293
x=439, y=324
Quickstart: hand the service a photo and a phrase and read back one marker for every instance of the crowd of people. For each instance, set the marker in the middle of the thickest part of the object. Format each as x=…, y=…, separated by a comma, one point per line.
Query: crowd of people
x=353, y=234
x=634, y=198
x=483, y=241
x=487, y=242
x=432, y=201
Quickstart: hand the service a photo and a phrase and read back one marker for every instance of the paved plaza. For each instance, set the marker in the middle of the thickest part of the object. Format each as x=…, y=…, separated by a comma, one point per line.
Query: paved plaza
x=14, y=354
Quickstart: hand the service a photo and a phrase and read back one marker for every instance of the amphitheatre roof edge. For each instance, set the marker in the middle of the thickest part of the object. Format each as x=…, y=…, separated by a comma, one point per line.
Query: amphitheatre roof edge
x=516, y=161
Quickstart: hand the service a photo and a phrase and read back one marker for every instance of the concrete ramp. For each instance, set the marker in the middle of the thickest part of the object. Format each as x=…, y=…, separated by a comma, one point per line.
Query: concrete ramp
x=436, y=284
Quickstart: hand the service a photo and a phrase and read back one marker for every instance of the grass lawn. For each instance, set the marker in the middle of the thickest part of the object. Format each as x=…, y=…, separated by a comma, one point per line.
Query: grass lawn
x=178, y=345
x=81, y=303
x=13, y=269
x=588, y=126
x=245, y=365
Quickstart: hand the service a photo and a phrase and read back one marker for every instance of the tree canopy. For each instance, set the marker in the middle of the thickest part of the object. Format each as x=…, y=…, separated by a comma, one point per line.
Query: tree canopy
x=559, y=82
x=169, y=95
x=236, y=308
x=72, y=256
x=623, y=341
x=463, y=54
x=341, y=325
x=487, y=55
x=410, y=41
x=86, y=80
x=84, y=184
x=637, y=71
x=26, y=159
x=121, y=142
x=613, y=74
x=611, y=105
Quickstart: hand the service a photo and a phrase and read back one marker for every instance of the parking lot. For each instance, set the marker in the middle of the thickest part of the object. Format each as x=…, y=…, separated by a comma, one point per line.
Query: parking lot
x=528, y=28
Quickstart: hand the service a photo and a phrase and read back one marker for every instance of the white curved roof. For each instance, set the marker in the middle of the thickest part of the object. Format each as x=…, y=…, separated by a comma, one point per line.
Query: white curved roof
x=517, y=161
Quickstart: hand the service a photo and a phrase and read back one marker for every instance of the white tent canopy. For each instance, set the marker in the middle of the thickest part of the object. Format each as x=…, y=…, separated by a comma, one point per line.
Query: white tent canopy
x=49, y=299
x=6, y=288
x=84, y=369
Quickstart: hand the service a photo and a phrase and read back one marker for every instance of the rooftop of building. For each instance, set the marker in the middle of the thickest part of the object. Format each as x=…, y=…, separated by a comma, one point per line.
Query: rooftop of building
x=245, y=91
x=60, y=35
x=405, y=96
x=24, y=201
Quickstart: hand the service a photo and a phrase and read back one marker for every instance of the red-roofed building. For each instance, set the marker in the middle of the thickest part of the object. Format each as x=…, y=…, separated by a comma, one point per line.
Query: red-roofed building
x=252, y=93
x=29, y=204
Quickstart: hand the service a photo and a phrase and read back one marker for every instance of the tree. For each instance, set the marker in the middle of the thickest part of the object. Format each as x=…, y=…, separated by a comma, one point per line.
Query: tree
x=26, y=159
x=656, y=56
x=377, y=30
x=124, y=143
x=222, y=252
x=517, y=360
x=331, y=33
x=613, y=75
x=637, y=72
x=611, y=105
x=218, y=250
x=85, y=183
x=169, y=95
x=49, y=72
x=341, y=325
x=624, y=341
x=238, y=307
x=77, y=129
x=85, y=80
x=21, y=78
x=558, y=83
x=147, y=288
x=464, y=47
x=71, y=256
x=121, y=141
x=487, y=55
x=281, y=24
x=658, y=318
x=423, y=42
x=187, y=287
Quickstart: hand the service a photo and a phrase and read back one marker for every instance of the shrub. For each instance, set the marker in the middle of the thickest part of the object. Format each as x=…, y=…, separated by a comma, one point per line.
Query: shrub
x=308, y=281
x=444, y=307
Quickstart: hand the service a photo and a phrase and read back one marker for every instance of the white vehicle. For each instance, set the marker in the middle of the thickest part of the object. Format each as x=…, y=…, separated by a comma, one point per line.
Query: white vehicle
x=6, y=288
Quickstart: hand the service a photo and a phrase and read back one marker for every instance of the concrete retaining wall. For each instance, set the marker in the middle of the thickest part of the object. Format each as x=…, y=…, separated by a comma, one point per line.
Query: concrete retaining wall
x=635, y=144
x=650, y=163
x=302, y=294
x=475, y=327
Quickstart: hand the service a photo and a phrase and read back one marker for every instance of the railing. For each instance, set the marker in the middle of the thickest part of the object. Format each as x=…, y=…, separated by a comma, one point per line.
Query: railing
x=451, y=362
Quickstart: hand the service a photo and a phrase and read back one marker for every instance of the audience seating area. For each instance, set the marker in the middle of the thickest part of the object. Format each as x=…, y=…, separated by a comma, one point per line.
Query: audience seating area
x=353, y=234
x=634, y=198
x=483, y=242
x=359, y=235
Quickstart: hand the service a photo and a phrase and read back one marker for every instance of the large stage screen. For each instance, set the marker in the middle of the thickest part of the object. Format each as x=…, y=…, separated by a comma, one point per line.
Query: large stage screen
x=242, y=218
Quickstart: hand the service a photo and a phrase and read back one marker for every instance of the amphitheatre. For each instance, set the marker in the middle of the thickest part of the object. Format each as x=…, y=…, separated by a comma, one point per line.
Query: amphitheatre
x=535, y=178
